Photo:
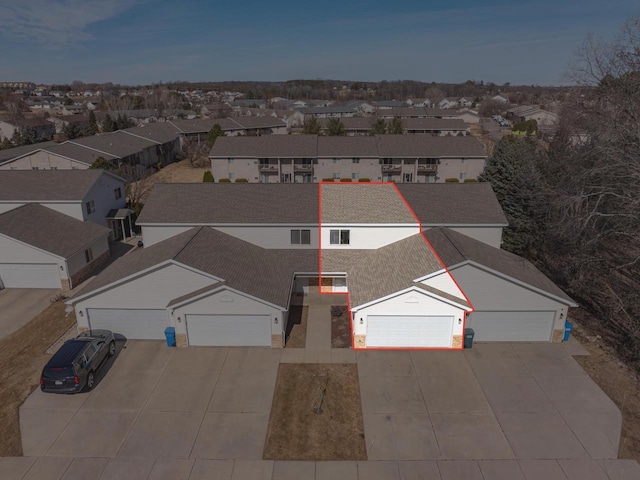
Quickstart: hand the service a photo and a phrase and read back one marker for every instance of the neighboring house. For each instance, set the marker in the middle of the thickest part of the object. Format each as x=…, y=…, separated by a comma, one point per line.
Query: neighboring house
x=402, y=112
x=352, y=125
x=73, y=109
x=81, y=121
x=248, y=102
x=86, y=195
x=384, y=104
x=224, y=275
x=467, y=115
x=500, y=99
x=456, y=102
x=42, y=130
x=333, y=111
x=197, y=130
x=435, y=126
x=293, y=118
x=361, y=106
x=530, y=112
x=9, y=154
x=419, y=102
x=43, y=248
x=311, y=158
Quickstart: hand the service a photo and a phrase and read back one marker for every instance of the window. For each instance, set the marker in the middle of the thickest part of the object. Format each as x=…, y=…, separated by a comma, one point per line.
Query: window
x=230, y=160
x=90, y=206
x=463, y=176
x=54, y=168
x=300, y=237
x=232, y=176
x=336, y=160
x=462, y=161
x=355, y=160
x=336, y=176
x=118, y=193
x=35, y=168
x=355, y=176
x=339, y=237
x=88, y=255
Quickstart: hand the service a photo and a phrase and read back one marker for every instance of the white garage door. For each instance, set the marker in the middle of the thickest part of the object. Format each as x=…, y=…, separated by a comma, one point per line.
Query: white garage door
x=136, y=324
x=511, y=326
x=409, y=331
x=29, y=275
x=229, y=330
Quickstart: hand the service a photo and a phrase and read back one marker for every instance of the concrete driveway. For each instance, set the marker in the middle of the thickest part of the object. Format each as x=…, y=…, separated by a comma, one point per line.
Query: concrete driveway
x=20, y=305
x=494, y=412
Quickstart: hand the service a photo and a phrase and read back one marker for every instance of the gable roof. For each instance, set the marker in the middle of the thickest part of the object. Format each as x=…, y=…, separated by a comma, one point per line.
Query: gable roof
x=234, y=203
x=455, y=248
x=118, y=143
x=434, y=124
x=415, y=146
x=11, y=153
x=77, y=152
x=159, y=132
x=334, y=146
x=361, y=204
x=47, y=185
x=49, y=230
x=283, y=146
x=263, y=273
x=454, y=203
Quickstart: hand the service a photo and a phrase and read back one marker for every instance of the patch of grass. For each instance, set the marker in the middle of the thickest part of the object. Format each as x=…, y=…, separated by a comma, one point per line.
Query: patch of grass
x=22, y=356
x=297, y=431
x=340, y=327
x=296, y=334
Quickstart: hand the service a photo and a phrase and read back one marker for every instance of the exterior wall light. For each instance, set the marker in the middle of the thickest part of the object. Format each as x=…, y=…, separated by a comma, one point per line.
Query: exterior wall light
x=81, y=314
x=361, y=321
x=459, y=321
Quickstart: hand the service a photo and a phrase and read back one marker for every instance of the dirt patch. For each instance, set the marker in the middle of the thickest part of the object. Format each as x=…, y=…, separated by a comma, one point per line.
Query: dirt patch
x=296, y=334
x=618, y=381
x=178, y=172
x=340, y=327
x=297, y=432
x=22, y=356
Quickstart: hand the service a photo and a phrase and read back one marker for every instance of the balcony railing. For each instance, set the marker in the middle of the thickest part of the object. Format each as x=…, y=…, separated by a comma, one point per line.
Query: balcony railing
x=390, y=168
x=427, y=168
x=302, y=167
x=268, y=168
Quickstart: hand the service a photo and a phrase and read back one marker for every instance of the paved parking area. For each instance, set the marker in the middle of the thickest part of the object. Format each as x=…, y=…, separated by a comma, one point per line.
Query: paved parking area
x=20, y=305
x=497, y=411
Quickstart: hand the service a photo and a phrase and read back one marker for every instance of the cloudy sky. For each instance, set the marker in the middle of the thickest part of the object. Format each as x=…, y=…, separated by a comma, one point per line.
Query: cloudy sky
x=145, y=41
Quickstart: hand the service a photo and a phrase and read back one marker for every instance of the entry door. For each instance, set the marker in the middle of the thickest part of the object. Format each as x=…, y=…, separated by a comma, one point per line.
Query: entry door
x=408, y=178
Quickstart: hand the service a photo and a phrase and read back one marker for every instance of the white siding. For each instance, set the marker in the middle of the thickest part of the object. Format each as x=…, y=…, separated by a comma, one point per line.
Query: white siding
x=489, y=235
x=78, y=261
x=154, y=234
x=487, y=292
x=12, y=251
x=103, y=195
x=445, y=283
x=271, y=237
x=368, y=237
x=44, y=160
x=227, y=302
x=409, y=304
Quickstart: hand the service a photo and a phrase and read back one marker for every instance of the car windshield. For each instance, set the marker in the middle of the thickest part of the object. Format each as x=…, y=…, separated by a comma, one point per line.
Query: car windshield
x=59, y=372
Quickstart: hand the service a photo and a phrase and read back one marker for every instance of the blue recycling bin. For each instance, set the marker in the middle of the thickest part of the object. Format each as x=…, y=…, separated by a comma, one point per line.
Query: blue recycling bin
x=568, y=326
x=170, y=335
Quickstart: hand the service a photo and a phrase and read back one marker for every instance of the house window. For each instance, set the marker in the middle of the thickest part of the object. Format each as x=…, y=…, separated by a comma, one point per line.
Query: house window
x=90, y=207
x=355, y=176
x=463, y=176
x=336, y=176
x=462, y=161
x=88, y=255
x=339, y=237
x=336, y=160
x=300, y=237
x=232, y=176
x=230, y=160
x=35, y=168
x=118, y=193
x=54, y=168
x=355, y=160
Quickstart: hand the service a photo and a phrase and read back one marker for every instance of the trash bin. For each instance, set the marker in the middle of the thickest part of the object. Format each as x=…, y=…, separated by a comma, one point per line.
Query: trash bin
x=468, y=337
x=170, y=335
x=568, y=326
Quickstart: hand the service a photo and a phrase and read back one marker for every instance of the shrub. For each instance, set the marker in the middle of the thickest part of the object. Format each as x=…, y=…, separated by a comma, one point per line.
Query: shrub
x=330, y=179
x=451, y=180
x=470, y=180
x=345, y=180
x=241, y=180
x=224, y=180
x=364, y=180
x=207, y=176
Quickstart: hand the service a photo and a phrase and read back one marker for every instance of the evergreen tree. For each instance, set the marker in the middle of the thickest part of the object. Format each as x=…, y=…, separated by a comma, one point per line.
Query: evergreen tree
x=92, y=129
x=335, y=128
x=6, y=143
x=108, y=125
x=311, y=126
x=395, y=127
x=379, y=128
x=207, y=176
x=104, y=164
x=214, y=133
x=71, y=131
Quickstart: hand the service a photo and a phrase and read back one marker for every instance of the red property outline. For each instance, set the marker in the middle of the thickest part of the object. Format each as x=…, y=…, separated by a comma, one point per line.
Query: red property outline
x=445, y=268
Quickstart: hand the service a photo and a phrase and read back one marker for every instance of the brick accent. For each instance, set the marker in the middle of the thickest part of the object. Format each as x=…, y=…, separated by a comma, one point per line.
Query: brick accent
x=327, y=285
x=66, y=286
x=181, y=340
x=82, y=329
x=359, y=341
x=86, y=271
x=557, y=337
x=276, y=341
x=457, y=341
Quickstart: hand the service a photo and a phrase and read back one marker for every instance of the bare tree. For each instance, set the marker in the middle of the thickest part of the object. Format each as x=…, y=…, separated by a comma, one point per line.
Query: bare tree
x=140, y=181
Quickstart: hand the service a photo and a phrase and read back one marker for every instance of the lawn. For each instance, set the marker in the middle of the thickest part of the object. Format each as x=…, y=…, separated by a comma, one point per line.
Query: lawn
x=316, y=414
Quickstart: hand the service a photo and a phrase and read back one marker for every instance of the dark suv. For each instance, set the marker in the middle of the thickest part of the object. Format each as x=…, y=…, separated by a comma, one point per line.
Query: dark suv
x=73, y=367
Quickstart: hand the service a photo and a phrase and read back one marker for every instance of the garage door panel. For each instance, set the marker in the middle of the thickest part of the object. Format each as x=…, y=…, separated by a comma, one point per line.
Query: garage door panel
x=229, y=330
x=29, y=275
x=396, y=331
x=513, y=326
x=140, y=324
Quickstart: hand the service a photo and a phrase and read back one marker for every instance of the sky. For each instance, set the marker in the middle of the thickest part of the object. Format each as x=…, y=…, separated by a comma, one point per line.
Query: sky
x=149, y=41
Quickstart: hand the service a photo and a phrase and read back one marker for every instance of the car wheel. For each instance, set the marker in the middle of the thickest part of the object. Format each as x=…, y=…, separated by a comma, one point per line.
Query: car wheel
x=91, y=380
x=112, y=348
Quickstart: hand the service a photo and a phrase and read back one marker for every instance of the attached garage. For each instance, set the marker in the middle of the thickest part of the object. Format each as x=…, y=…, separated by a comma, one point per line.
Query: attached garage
x=29, y=275
x=396, y=331
x=131, y=323
x=229, y=330
x=514, y=326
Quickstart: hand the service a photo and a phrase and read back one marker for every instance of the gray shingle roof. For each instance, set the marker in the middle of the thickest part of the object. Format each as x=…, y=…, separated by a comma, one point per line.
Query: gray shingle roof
x=421, y=146
x=362, y=146
x=266, y=146
x=455, y=248
x=351, y=123
x=161, y=132
x=219, y=203
x=77, y=152
x=49, y=230
x=11, y=153
x=119, y=144
x=43, y=185
x=203, y=125
x=263, y=273
x=364, y=203
x=434, y=124
x=249, y=123
x=454, y=203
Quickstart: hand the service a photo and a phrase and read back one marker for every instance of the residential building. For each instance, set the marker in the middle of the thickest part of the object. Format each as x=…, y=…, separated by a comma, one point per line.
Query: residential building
x=311, y=158
x=42, y=130
x=531, y=112
x=333, y=111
